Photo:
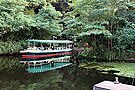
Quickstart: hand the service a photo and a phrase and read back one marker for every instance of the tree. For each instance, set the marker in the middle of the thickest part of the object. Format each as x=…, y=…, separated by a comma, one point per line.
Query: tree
x=21, y=20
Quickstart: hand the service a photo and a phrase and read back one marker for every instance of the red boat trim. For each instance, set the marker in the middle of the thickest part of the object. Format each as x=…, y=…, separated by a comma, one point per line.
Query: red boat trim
x=46, y=55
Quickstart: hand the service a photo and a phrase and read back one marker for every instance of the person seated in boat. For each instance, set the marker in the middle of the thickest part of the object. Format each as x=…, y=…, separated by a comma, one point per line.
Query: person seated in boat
x=34, y=48
x=52, y=47
x=41, y=48
x=38, y=62
x=58, y=48
x=48, y=48
x=62, y=47
x=30, y=48
x=69, y=46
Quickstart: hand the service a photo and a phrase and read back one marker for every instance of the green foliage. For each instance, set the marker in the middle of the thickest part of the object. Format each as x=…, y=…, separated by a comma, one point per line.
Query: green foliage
x=9, y=63
x=72, y=26
x=18, y=22
x=13, y=19
x=85, y=53
x=106, y=19
x=125, y=38
x=124, y=35
x=47, y=19
x=11, y=47
x=96, y=28
x=98, y=15
x=87, y=19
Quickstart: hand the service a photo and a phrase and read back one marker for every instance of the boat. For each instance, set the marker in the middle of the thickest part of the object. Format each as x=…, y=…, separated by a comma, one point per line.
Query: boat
x=38, y=49
x=46, y=55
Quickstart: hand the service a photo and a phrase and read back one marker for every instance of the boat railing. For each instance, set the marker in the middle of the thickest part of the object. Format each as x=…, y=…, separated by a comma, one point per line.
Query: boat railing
x=41, y=62
x=47, y=48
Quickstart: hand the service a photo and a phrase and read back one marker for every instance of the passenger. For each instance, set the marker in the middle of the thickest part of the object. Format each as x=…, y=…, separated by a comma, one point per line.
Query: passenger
x=58, y=48
x=41, y=48
x=29, y=48
x=49, y=49
x=69, y=46
x=52, y=47
x=34, y=48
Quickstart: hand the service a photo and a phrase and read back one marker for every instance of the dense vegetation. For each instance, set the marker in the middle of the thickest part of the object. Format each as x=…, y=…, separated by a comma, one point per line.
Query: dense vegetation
x=102, y=25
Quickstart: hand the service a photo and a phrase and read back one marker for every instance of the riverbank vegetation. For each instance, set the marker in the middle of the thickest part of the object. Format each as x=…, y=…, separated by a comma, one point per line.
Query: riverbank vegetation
x=116, y=68
x=10, y=63
x=100, y=25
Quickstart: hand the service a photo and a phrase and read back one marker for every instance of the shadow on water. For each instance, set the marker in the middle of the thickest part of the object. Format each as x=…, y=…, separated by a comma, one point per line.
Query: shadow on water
x=13, y=76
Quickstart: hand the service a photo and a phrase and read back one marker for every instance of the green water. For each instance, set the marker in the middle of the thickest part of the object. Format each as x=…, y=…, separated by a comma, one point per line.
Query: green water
x=14, y=76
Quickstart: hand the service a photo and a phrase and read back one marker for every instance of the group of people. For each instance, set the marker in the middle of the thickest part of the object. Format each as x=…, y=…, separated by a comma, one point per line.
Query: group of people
x=48, y=48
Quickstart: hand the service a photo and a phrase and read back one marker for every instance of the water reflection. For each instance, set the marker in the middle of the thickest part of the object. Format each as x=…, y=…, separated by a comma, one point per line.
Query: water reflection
x=67, y=78
x=43, y=64
x=46, y=67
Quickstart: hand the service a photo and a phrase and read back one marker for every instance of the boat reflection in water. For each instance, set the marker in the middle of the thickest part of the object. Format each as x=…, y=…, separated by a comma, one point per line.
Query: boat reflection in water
x=52, y=54
x=37, y=66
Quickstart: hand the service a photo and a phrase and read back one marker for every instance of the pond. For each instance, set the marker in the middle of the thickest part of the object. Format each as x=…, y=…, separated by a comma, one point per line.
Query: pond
x=13, y=76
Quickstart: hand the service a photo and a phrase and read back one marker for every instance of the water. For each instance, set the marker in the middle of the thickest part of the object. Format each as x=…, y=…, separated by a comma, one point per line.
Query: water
x=13, y=76
x=46, y=67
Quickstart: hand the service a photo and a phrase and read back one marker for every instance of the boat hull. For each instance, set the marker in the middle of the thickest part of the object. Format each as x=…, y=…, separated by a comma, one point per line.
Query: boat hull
x=37, y=54
x=44, y=55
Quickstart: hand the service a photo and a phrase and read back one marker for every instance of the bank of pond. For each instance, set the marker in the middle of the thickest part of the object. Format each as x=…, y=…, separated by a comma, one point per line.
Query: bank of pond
x=14, y=76
x=124, y=69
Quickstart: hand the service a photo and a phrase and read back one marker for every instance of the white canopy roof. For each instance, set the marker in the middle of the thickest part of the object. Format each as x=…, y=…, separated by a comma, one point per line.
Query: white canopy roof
x=50, y=41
